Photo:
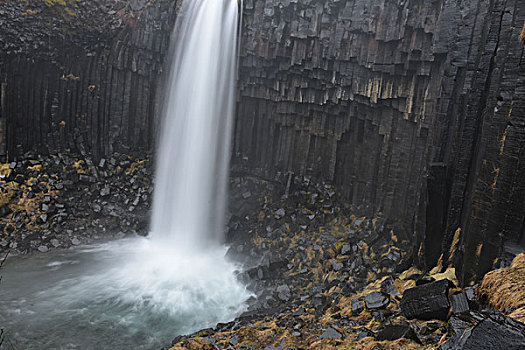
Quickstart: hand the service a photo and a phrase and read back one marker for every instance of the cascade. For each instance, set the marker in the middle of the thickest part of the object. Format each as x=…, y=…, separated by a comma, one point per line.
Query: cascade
x=141, y=292
x=193, y=158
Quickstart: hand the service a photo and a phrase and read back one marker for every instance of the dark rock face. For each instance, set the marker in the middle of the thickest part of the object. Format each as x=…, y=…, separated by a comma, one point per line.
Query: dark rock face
x=393, y=332
x=426, y=302
x=81, y=77
x=492, y=333
x=414, y=109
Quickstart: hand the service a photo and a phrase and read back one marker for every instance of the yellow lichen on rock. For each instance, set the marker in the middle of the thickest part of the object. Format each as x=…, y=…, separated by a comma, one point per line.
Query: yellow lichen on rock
x=136, y=166
x=5, y=170
x=450, y=274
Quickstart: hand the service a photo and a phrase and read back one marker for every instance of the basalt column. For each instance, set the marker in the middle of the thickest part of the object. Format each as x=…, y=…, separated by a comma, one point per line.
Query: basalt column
x=415, y=109
x=81, y=75
x=411, y=107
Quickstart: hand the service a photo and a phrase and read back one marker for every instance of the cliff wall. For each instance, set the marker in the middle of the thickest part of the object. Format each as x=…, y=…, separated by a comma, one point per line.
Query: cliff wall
x=81, y=75
x=413, y=108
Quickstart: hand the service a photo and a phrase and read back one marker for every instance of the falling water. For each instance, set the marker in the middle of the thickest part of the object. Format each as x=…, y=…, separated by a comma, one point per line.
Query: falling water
x=140, y=292
x=193, y=160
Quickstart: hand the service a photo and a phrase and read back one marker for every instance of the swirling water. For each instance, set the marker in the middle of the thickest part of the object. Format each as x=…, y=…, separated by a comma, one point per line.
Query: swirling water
x=130, y=293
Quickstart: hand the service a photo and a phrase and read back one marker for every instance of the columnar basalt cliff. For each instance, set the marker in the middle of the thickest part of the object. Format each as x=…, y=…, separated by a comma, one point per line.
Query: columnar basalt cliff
x=81, y=75
x=414, y=109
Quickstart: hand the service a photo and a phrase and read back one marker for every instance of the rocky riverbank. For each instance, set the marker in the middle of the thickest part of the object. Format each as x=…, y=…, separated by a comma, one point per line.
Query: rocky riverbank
x=323, y=275
x=66, y=199
x=326, y=278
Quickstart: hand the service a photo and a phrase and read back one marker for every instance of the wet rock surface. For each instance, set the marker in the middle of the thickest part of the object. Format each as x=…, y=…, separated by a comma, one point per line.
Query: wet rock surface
x=312, y=291
x=54, y=201
x=427, y=301
x=414, y=110
x=322, y=276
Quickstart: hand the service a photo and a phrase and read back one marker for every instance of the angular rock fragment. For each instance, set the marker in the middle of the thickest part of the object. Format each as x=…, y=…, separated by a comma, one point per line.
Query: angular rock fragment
x=357, y=306
x=394, y=332
x=105, y=191
x=337, y=266
x=459, y=303
x=345, y=249
x=376, y=300
x=363, y=333
x=279, y=213
x=387, y=287
x=234, y=340
x=330, y=333
x=493, y=333
x=470, y=293
x=426, y=302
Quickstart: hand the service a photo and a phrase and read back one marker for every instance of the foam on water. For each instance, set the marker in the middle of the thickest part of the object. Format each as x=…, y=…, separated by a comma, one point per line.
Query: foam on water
x=118, y=295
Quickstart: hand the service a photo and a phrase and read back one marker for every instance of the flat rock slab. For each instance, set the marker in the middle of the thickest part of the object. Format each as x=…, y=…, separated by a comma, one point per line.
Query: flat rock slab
x=426, y=302
x=376, y=300
x=492, y=333
x=394, y=332
x=330, y=333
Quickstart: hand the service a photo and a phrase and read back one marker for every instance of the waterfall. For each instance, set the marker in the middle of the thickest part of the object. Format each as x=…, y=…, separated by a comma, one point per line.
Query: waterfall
x=193, y=158
x=141, y=292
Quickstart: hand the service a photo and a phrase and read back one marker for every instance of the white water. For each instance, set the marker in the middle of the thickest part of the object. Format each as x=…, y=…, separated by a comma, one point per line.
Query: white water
x=141, y=292
x=192, y=165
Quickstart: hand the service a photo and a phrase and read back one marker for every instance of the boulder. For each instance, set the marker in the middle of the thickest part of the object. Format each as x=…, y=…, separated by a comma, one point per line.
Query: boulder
x=426, y=302
x=283, y=292
x=492, y=333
